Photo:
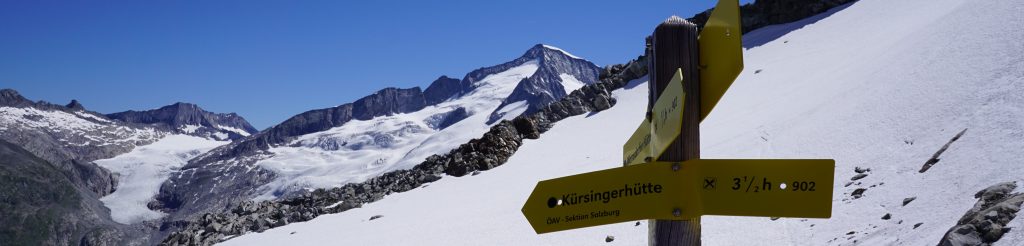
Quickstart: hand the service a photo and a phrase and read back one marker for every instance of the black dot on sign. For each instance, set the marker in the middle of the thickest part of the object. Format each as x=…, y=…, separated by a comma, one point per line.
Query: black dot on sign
x=552, y=202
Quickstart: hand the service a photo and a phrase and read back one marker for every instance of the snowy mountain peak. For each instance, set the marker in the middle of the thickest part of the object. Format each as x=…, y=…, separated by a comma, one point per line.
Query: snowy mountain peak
x=187, y=118
x=559, y=74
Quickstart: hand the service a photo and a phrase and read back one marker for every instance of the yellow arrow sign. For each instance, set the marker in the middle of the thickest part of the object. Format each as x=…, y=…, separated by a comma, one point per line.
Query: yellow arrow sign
x=656, y=133
x=649, y=191
x=675, y=191
x=721, y=54
x=638, y=148
x=667, y=114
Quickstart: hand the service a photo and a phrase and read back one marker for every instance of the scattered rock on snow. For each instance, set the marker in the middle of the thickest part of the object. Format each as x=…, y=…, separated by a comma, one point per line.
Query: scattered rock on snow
x=908, y=200
x=859, y=176
x=887, y=216
x=376, y=217
x=609, y=239
x=935, y=158
x=918, y=224
x=859, y=192
x=861, y=170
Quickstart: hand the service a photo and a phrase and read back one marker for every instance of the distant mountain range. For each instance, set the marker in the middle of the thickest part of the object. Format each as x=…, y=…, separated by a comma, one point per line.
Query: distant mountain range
x=390, y=129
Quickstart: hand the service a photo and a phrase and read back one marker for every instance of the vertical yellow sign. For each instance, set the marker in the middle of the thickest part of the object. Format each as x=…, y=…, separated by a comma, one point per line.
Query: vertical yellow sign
x=638, y=148
x=721, y=54
x=667, y=114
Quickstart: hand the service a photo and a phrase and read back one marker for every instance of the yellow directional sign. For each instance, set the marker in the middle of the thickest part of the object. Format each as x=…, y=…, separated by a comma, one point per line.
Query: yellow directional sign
x=769, y=188
x=638, y=148
x=648, y=191
x=721, y=54
x=667, y=114
x=676, y=191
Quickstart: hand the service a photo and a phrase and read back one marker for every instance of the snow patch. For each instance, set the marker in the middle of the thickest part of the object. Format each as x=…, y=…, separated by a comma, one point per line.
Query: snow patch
x=235, y=130
x=189, y=128
x=570, y=83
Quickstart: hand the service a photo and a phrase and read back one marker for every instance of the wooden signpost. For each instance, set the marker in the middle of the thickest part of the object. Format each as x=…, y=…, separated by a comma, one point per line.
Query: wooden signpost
x=663, y=178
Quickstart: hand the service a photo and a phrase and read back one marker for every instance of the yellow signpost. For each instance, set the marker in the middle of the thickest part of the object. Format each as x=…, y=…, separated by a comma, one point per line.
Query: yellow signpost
x=659, y=190
x=676, y=191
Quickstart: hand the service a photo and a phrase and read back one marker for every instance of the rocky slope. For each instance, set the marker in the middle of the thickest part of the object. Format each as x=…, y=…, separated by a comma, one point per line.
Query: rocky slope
x=40, y=205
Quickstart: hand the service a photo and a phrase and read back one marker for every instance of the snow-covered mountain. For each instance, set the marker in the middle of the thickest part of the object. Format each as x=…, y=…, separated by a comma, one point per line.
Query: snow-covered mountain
x=888, y=86
x=105, y=169
x=392, y=129
x=70, y=136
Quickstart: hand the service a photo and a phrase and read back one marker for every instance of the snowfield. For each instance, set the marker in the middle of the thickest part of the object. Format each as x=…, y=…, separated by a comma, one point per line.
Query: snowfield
x=142, y=170
x=880, y=85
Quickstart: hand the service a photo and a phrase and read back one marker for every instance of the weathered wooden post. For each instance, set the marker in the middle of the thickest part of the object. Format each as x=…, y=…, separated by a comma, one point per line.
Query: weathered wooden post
x=674, y=46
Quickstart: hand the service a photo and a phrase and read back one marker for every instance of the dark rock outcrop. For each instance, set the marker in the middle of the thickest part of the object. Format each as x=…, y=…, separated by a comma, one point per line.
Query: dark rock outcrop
x=770, y=12
x=39, y=205
x=444, y=88
x=985, y=223
x=75, y=105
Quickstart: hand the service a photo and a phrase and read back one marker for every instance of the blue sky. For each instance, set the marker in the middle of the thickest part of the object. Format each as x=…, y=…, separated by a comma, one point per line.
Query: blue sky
x=269, y=60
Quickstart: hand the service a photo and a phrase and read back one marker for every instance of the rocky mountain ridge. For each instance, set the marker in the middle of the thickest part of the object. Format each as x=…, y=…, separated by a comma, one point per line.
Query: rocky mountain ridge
x=189, y=119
